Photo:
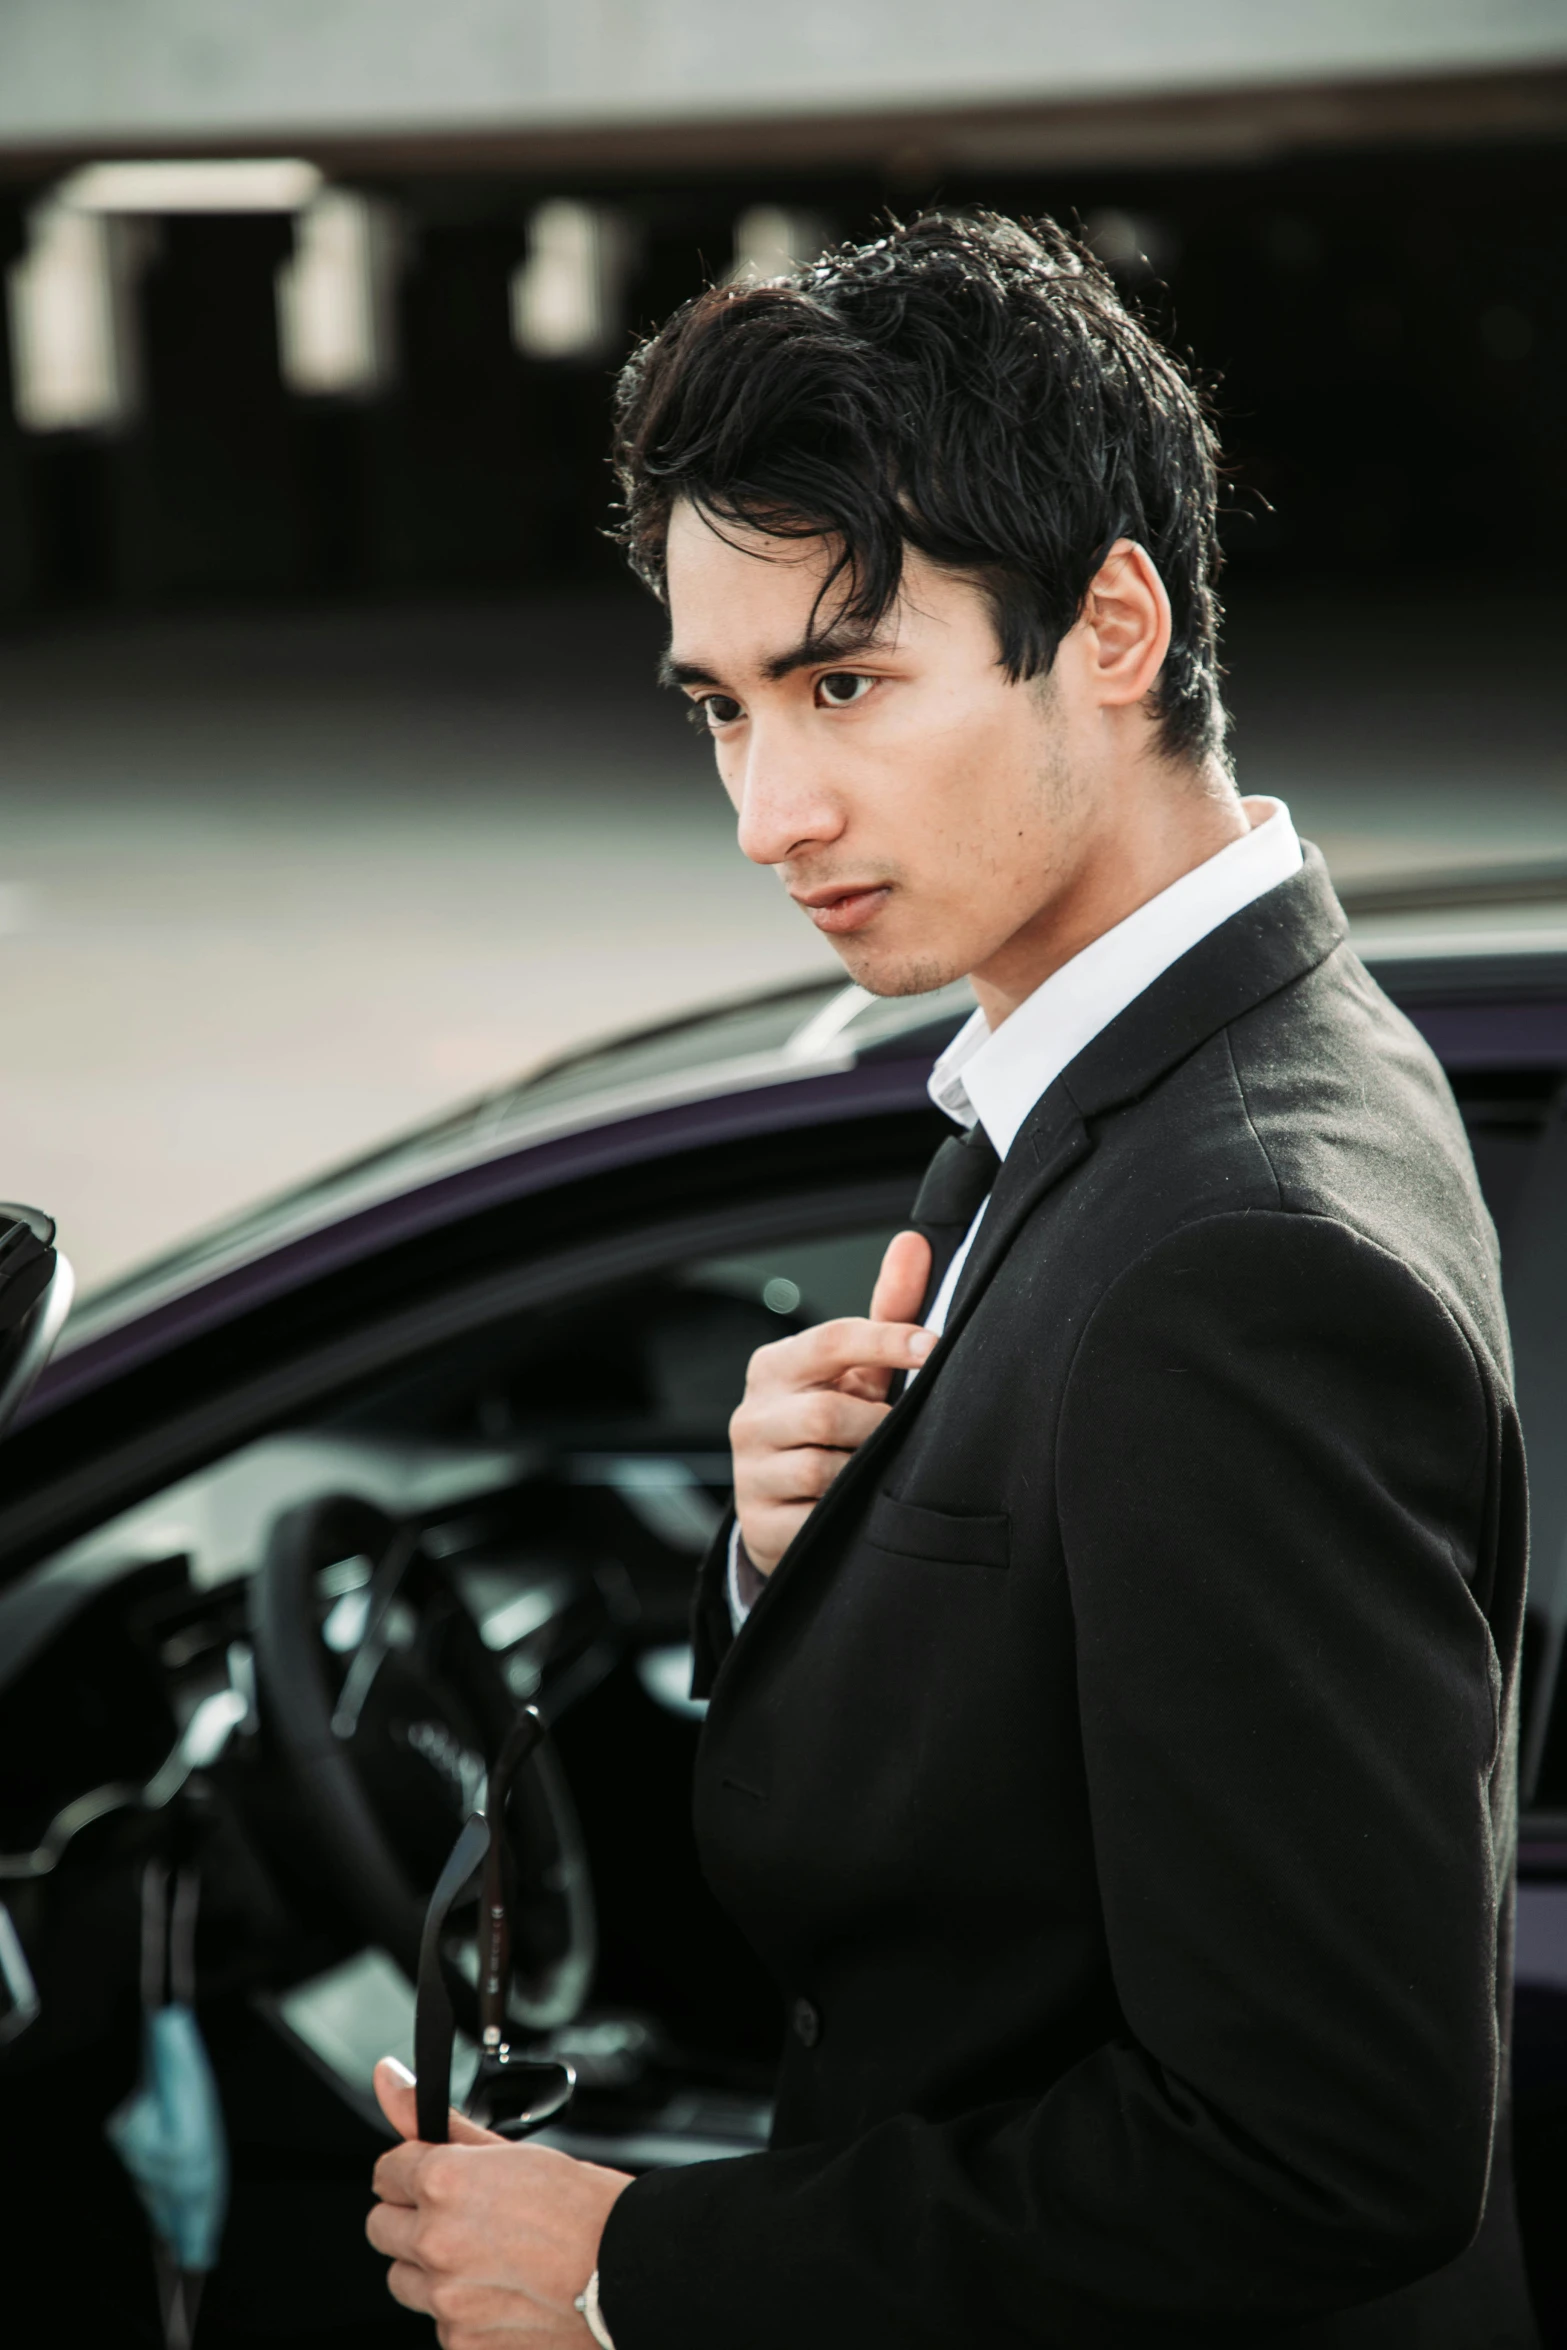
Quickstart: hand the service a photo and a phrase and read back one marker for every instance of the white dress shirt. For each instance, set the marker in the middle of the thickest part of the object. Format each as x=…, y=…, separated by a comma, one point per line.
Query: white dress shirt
x=993, y=1077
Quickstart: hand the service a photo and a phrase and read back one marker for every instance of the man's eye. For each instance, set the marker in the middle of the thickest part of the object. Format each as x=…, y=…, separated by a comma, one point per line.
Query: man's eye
x=841, y=687
x=715, y=710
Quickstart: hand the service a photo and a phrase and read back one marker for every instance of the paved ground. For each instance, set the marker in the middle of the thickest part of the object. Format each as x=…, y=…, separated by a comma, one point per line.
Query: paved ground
x=272, y=888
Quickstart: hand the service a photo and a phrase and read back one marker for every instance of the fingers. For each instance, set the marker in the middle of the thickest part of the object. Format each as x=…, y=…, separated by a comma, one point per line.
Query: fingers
x=409, y=2284
x=773, y=1479
x=820, y=1357
x=775, y=1492
x=778, y=1487
x=790, y=1419
x=394, y=2093
x=393, y=2228
x=810, y=1401
x=904, y=1277
x=396, y=2096
x=495, y=2239
x=778, y=1477
x=396, y=2176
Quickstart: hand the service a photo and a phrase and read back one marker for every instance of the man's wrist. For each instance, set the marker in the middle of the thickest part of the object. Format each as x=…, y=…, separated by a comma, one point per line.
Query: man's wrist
x=588, y=2304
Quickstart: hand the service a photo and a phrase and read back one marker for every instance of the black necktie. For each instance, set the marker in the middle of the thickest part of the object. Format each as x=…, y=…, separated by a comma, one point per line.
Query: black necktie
x=957, y=1183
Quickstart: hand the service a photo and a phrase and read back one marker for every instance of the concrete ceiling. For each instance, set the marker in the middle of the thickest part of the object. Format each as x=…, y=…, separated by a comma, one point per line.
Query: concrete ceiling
x=527, y=80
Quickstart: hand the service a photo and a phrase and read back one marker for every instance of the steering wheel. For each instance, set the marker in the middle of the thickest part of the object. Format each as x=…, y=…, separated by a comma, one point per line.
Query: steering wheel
x=384, y=1705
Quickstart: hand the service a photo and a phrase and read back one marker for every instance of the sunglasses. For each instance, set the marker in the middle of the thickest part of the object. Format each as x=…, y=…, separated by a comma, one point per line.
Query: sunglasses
x=512, y=2094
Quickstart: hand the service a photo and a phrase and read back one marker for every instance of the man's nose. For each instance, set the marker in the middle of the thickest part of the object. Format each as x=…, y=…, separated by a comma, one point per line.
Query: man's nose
x=784, y=804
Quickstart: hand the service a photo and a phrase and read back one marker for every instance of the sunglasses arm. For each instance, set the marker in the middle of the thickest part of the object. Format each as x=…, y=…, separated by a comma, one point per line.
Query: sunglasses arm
x=434, y=2024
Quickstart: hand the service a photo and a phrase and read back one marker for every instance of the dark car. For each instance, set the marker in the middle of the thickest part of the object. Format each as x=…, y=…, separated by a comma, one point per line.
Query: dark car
x=298, y=1516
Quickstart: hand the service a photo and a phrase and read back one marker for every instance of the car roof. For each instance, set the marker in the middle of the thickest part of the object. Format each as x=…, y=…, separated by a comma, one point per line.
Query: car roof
x=1495, y=931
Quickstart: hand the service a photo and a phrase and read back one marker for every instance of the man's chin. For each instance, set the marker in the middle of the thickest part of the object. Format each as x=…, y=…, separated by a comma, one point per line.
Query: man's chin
x=887, y=973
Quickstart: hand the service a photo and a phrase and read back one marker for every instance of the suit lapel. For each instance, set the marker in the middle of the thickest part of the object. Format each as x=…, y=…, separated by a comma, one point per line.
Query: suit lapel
x=1268, y=945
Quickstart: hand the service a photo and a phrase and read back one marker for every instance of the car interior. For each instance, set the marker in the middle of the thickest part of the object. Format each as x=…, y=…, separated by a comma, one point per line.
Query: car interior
x=565, y=1467
x=281, y=1676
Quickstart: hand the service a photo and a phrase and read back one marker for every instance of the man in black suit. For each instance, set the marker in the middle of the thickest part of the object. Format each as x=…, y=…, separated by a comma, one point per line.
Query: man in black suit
x=1112, y=1658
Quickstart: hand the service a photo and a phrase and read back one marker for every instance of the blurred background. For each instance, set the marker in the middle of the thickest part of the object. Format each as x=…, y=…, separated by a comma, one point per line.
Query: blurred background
x=333, y=781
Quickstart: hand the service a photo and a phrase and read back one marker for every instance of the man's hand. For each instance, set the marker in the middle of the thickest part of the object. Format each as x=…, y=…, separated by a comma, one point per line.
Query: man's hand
x=812, y=1400
x=493, y=2240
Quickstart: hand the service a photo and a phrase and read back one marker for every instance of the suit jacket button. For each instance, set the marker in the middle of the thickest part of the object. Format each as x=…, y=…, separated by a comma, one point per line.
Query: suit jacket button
x=807, y=2023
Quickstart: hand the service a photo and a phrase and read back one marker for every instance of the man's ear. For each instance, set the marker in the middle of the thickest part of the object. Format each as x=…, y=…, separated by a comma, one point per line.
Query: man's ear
x=1126, y=621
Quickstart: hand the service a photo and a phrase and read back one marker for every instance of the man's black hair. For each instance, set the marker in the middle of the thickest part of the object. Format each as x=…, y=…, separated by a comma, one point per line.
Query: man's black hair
x=970, y=386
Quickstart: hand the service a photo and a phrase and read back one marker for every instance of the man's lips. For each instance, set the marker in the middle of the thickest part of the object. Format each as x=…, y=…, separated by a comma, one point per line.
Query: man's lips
x=840, y=909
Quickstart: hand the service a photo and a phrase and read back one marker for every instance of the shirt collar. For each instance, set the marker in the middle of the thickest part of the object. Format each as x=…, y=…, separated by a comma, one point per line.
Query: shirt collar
x=994, y=1078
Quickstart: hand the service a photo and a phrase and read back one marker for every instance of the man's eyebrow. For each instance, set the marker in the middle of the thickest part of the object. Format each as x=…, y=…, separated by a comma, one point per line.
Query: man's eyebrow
x=836, y=644
x=673, y=672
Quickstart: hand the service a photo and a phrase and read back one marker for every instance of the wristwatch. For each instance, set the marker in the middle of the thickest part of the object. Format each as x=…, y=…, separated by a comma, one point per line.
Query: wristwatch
x=588, y=2303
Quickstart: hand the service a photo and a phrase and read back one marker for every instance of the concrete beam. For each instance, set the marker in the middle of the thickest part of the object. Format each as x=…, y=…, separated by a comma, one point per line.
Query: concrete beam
x=103, y=76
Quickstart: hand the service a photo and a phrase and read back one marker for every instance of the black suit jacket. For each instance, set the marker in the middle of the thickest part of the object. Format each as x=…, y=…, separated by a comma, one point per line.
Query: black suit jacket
x=1117, y=1771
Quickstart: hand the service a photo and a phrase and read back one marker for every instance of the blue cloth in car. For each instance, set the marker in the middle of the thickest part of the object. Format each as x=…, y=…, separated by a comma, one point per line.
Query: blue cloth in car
x=169, y=2134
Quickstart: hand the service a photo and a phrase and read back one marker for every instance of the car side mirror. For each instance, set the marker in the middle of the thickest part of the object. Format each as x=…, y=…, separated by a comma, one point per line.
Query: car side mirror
x=36, y=1289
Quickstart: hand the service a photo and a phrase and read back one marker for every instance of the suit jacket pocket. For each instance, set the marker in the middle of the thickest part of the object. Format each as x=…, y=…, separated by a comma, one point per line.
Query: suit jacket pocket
x=914, y=1531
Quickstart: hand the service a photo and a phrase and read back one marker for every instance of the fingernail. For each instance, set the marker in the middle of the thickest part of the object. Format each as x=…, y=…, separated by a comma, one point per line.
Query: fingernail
x=921, y=1344
x=395, y=2064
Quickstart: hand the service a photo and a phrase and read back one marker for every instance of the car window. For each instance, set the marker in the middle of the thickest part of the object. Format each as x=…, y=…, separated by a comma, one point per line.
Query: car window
x=1506, y=1112
x=610, y=1409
